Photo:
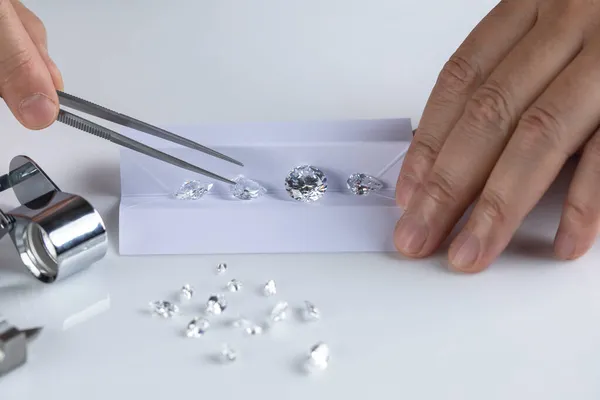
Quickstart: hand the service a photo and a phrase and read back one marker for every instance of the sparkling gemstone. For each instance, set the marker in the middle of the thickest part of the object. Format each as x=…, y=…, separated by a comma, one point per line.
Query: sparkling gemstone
x=216, y=304
x=306, y=183
x=246, y=189
x=248, y=326
x=164, y=309
x=228, y=354
x=318, y=357
x=197, y=327
x=192, y=190
x=279, y=312
x=221, y=268
x=363, y=184
x=186, y=292
x=234, y=285
x=310, y=312
x=270, y=289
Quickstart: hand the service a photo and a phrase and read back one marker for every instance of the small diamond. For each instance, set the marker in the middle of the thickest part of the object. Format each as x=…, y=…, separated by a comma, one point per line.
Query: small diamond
x=246, y=189
x=192, y=190
x=310, y=312
x=2, y=355
x=363, y=184
x=279, y=312
x=164, y=309
x=228, y=354
x=186, y=292
x=270, y=289
x=221, y=268
x=216, y=304
x=248, y=326
x=197, y=327
x=306, y=183
x=318, y=357
x=234, y=285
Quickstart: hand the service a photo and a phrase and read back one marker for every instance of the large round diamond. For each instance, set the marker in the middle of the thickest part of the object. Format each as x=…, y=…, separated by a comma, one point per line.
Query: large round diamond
x=306, y=183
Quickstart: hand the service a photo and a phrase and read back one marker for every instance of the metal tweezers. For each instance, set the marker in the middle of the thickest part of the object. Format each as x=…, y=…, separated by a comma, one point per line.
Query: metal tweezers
x=85, y=125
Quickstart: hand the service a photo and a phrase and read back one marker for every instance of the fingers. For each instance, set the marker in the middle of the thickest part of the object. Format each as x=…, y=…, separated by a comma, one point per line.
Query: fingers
x=580, y=221
x=486, y=125
x=468, y=68
x=25, y=82
x=37, y=32
x=551, y=130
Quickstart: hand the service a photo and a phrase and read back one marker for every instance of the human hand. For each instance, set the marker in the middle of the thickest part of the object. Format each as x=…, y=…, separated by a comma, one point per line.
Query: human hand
x=515, y=101
x=28, y=77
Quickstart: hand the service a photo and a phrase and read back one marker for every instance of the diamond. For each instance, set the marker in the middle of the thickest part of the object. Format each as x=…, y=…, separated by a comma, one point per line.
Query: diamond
x=221, y=268
x=164, y=309
x=228, y=354
x=2, y=355
x=216, y=304
x=318, y=357
x=248, y=326
x=246, y=189
x=270, y=289
x=310, y=312
x=279, y=312
x=234, y=285
x=192, y=190
x=197, y=327
x=186, y=292
x=363, y=184
x=306, y=183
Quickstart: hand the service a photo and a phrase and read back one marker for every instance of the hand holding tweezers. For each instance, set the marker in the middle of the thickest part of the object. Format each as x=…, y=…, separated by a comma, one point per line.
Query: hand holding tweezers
x=85, y=125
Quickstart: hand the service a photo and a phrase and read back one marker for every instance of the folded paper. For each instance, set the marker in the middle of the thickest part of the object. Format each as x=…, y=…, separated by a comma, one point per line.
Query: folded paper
x=153, y=221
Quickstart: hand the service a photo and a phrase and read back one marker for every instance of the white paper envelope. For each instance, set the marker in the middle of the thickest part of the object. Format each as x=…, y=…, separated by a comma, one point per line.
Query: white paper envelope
x=153, y=222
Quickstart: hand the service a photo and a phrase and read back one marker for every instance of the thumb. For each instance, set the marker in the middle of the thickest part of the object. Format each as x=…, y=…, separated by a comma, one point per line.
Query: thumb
x=25, y=83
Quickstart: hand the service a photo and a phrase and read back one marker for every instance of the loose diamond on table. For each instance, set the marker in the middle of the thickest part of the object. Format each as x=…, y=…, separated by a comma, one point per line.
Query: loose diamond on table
x=306, y=183
x=310, y=312
x=234, y=285
x=197, y=327
x=318, y=357
x=248, y=326
x=192, y=190
x=279, y=312
x=228, y=354
x=246, y=189
x=164, y=309
x=216, y=304
x=270, y=289
x=221, y=268
x=363, y=184
x=186, y=292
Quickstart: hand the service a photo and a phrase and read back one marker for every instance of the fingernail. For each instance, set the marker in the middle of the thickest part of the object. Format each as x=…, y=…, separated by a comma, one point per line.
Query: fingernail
x=38, y=111
x=405, y=190
x=564, y=245
x=465, y=251
x=410, y=235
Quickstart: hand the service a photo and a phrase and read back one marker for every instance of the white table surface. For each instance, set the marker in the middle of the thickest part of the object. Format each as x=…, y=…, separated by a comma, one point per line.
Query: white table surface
x=528, y=328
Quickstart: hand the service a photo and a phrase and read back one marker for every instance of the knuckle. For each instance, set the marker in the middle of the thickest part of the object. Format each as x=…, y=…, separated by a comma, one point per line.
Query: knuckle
x=15, y=65
x=427, y=146
x=580, y=211
x=458, y=74
x=490, y=107
x=440, y=188
x=541, y=128
x=494, y=206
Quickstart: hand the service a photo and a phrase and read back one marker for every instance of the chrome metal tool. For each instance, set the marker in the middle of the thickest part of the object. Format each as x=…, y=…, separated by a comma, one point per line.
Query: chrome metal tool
x=83, y=124
x=14, y=345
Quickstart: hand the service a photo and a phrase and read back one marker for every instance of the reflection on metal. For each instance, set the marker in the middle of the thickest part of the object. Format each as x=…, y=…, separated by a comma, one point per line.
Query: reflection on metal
x=55, y=233
x=13, y=346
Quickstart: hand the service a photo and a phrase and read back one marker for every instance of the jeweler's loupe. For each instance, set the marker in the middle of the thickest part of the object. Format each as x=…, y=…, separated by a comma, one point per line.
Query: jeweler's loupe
x=56, y=234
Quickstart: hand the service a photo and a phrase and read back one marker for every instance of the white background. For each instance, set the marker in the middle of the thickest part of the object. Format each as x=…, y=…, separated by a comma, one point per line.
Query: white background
x=525, y=329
